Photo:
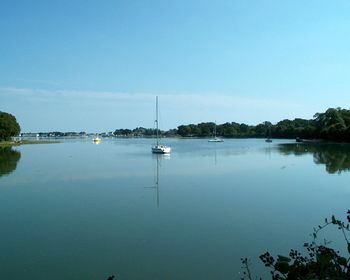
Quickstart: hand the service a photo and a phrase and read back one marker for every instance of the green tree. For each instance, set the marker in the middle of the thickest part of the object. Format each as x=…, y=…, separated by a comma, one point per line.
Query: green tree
x=333, y=124
x=228, y=130
x=184, y=130
x=8, y=126
x=206, y=129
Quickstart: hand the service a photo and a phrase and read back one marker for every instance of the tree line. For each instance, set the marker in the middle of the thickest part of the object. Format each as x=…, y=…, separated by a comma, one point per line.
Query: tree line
x=333, y=125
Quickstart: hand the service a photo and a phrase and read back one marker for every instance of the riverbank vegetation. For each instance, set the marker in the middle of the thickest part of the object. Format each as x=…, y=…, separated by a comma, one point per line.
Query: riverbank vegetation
x=332, y=125
x=9, y=126
x=10, y=129
x=25, y=142
x=319, y=260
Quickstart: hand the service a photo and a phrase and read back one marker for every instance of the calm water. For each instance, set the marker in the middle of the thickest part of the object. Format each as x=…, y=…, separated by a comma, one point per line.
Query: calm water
x=76, y=210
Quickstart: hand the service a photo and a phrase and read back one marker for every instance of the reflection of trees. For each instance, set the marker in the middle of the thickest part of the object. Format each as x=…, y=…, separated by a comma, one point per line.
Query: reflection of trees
x=336, y=157
x=8, y=160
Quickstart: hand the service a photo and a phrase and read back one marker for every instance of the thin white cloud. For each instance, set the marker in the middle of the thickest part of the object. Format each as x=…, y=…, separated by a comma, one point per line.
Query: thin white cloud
x=56, y=95
x=104, y=110
x=38, y=81
x=170, y=99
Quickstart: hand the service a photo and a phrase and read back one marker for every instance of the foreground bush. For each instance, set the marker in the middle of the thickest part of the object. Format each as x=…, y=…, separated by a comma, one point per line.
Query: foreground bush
x=320, y=261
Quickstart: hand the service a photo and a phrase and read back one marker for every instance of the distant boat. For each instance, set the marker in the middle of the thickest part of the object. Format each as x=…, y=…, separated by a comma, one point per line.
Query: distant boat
x=215, y=139
x=96, y=140
x=299, y=140
x=159, y=148
x=268, y=139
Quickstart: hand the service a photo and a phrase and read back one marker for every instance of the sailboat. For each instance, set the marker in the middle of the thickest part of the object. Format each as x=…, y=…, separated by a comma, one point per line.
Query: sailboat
x=215, y=139
x=269, y=139
x=159, y=148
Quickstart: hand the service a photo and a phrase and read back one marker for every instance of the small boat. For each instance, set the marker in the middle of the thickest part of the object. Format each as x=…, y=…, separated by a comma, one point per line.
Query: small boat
x=269, y=139
x=159, y=148
x=96, y=140
x=215, y=139
x=299, y=140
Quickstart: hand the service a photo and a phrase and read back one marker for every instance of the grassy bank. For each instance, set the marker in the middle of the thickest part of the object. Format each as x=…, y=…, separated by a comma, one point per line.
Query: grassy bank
x=25, y=142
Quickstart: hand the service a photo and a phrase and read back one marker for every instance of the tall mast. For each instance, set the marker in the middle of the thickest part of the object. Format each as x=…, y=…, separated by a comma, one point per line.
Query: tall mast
x=215, y=129
x=157, y=120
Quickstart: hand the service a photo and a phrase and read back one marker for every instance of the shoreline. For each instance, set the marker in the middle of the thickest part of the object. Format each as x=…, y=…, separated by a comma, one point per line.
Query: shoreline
x=25, y=142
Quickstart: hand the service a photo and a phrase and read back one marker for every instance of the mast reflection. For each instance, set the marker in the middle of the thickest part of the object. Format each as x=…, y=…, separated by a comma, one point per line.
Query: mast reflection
x=158, y=159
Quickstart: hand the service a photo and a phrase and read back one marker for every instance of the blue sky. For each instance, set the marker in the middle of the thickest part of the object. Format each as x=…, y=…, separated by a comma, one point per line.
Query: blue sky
x=98, y=65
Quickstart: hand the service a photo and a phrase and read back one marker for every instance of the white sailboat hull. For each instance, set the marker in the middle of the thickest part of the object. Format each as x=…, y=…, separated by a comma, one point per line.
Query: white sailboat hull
x=161, y=149
x=216, y=140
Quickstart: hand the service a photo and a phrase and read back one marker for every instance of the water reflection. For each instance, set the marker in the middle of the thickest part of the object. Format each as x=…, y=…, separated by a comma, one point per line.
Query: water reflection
x=8, y=160
x=157, y=159
x=336, y=157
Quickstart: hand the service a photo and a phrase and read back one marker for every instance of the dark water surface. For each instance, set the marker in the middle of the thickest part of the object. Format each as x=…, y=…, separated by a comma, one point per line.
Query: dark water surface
x=76, y=210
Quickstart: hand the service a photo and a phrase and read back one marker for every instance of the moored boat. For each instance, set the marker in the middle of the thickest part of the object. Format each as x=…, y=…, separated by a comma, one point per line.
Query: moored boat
x=96, y=140
x=159, y=148
x=215, y=138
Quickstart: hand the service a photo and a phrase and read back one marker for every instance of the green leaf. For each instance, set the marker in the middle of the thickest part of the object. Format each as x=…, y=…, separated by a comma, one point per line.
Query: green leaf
x=283, y=259
x=324, y=258
x=342, y=261
x=282, y=267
